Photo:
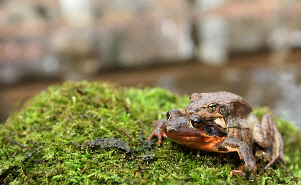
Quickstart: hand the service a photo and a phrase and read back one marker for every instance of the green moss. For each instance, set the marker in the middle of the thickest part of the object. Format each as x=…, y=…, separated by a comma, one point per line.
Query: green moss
x=80, y=112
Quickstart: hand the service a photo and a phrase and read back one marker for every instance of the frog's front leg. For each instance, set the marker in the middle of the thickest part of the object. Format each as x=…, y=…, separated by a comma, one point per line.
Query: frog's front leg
x=159, y=131
x=244, y=151
x=269, y=138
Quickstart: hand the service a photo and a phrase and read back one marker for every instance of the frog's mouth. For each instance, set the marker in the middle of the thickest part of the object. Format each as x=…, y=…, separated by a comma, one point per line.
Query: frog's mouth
x=208, y=144
x=188, y=138
x=202, y=138
x=209, y=130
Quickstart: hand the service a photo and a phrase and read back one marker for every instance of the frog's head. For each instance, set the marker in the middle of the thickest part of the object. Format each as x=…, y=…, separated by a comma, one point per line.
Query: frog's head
x=218, y=104
x=208, y=110
x=192, y=130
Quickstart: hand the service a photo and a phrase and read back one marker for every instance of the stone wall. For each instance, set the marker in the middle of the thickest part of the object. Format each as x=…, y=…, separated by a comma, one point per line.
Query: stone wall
x=77, y=38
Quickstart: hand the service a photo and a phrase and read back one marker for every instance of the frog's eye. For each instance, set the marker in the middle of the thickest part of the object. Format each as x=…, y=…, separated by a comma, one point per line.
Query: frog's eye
x=168, y=114
x=211, y=107
x=197, y=123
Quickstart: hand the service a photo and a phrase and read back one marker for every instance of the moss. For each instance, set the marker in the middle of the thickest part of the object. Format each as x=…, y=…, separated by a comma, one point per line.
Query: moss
x=48, y=124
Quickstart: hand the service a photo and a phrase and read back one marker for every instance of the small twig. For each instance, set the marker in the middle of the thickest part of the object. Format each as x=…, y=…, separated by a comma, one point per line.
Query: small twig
x=70, y=113
x=147, y=157
x=85, y=167
x=15, y=153
x=28, y=156
x=78, y=145
x=15, y=142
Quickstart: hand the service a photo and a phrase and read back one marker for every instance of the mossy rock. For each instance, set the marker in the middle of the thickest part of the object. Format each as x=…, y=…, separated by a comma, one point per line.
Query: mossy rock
x=41, y=143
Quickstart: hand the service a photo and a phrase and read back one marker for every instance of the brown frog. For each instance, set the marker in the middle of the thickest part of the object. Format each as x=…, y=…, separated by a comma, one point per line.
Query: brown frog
x=223, y=122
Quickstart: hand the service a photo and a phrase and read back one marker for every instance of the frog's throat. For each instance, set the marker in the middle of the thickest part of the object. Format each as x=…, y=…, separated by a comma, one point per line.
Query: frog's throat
x=208, y=144
x=191, y=139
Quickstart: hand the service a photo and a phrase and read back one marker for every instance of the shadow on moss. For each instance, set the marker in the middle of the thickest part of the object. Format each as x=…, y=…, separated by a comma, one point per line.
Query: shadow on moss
x=80, y=112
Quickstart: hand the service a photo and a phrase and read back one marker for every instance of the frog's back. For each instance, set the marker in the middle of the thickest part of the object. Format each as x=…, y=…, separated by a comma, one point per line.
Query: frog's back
x=237, y=106
x=234, y=109
x=222, y=98
x=241, y=129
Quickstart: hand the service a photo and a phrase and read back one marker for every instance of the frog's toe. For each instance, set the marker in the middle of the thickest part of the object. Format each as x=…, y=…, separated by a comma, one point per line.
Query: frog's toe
x=159, y=142
x=282, y=161
x=282, y=158
x=278, y=159
x=282, y=164
x=154, y=134
x=151, y=136
x=159, y=136
x=237, y=172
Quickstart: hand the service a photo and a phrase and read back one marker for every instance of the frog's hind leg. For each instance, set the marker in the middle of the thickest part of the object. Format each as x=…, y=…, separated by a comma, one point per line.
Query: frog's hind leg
x=232, y=144
x=278, y=149
x=269, y=138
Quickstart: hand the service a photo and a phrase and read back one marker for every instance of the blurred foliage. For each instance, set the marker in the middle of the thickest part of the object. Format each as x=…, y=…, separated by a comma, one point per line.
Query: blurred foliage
x=41, y=143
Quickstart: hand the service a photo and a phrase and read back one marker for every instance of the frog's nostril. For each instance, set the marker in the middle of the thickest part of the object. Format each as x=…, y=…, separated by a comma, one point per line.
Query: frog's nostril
x=170, y=128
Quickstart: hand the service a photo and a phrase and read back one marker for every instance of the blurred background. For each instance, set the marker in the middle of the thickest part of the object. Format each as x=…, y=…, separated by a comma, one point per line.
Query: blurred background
x=251, y=48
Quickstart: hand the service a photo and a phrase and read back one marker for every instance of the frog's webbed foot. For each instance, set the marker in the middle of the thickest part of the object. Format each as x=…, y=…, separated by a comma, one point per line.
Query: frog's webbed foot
x=237, y=172
x=244, y=152
x=267, y=136
x=277, y=159
x=158, y=131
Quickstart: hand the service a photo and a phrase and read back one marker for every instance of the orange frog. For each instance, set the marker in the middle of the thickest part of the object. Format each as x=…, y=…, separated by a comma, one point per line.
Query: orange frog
x=223, y=122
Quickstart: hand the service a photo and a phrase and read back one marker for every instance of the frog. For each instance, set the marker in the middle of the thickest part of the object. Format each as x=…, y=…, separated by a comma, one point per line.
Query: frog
x=224, y=122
